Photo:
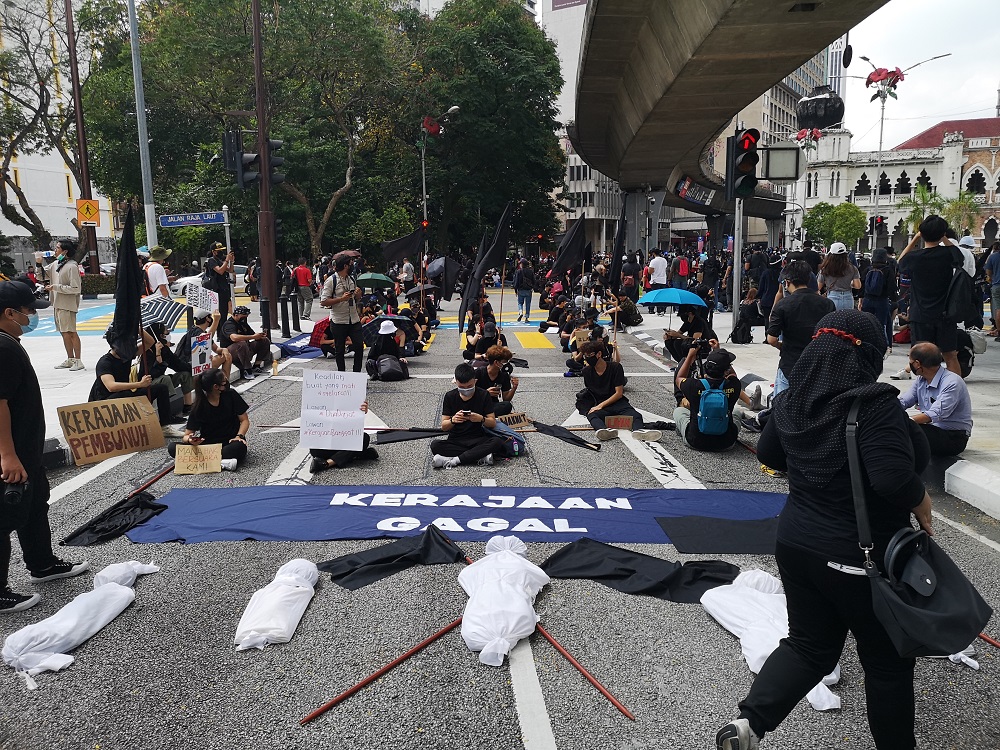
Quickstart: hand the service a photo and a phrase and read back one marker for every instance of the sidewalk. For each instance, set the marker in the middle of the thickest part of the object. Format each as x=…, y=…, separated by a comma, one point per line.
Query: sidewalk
x=973, y=477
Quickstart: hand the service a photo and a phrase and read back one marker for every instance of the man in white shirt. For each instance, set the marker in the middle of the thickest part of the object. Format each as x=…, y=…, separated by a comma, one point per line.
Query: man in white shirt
x=658, y=267
x=155, y=274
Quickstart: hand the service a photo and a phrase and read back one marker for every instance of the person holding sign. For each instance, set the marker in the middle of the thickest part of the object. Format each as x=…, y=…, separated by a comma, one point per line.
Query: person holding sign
x=197, y=348
x=219, y=415
x=323, y=459
x=244, y=344
x=467, y=410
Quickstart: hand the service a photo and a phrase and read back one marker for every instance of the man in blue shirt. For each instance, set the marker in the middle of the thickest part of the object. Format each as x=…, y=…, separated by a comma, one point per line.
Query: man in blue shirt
x=992, y=268
x=945, y=407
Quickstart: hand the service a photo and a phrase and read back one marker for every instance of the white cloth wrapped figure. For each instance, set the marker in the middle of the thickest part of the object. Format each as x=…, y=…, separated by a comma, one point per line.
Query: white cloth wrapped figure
x=502, y=589
x=274, y=611
x=45, y=646
x=753, y=608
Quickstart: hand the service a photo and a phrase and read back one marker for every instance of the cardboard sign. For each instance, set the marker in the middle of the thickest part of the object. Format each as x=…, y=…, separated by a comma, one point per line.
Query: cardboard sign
x=331, y=410
x=102, y=429
x=515, y=419
x=198, y=459
x=618, y=422
x=201, y=353
x=198, y=296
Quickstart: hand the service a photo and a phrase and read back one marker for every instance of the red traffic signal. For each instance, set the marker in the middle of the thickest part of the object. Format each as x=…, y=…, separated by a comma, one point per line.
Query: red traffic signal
x=425, y=223
x=741, y=163
x=540, y=237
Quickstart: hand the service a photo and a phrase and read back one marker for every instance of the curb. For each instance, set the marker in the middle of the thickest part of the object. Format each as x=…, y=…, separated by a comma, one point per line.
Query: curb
x=974, y=484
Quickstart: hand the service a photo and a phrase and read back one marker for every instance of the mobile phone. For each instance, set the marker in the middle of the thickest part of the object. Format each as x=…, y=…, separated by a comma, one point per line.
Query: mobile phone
x=466, y=412
x=196, y=434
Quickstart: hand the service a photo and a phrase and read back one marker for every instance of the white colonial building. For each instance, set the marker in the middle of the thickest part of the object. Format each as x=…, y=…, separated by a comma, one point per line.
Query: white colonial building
x=951, y=156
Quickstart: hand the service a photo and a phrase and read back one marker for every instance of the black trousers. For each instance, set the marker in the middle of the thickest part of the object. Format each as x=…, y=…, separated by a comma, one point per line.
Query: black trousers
x=341, y=332
x=34, y=534
x=235, y=449
x=160, y=395
x=503, y=408
x=621, y=407
x=468, y=452
x=340, y=457
x=944, y=442
x=823, y=604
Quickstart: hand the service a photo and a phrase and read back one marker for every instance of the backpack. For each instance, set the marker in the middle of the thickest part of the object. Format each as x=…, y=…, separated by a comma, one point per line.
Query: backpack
x=966, y=352
x=389, y=369
x=628, y=281
x=874, y=283
x=713, y=410
x=743, y=333
x=682, y=267
x=958, y=304
x=514, y=442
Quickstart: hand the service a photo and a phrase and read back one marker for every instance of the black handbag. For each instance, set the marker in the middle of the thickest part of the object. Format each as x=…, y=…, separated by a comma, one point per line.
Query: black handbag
x=925, y=603
x=15, y=506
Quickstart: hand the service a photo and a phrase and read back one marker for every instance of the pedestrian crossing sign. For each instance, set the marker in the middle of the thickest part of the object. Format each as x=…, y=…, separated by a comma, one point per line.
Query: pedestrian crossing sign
x=88, y=213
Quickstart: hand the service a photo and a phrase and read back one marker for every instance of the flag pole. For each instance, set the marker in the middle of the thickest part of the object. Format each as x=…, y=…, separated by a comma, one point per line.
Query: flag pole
x=503, y=278
x=374, y=676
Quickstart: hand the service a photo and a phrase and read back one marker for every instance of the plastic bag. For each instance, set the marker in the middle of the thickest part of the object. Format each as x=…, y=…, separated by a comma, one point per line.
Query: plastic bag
x=274, y=611
x=753, y=609
x=502, y=589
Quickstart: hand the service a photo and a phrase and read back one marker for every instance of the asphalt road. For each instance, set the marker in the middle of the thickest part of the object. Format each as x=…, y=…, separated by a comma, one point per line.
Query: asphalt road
x=164, y=674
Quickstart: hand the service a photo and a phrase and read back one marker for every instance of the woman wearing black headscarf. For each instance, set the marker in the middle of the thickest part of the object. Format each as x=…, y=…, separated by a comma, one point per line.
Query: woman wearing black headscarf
x=818, y=554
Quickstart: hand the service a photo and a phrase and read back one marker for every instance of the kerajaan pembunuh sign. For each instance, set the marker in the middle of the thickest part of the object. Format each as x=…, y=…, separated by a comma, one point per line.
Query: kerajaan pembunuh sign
x=102, y=429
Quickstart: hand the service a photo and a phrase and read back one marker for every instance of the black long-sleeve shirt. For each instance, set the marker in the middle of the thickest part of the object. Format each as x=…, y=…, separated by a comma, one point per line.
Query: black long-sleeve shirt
x=821, y=520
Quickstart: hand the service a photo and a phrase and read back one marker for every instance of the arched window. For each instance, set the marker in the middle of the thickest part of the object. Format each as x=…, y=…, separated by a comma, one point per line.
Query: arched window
x=816, y=184
x=903, y=185
x=884, y=186
x=925, y=180
x=838, y=182
x=864, y=186
x=809, y=185
x=832, y=188
x=976, y=182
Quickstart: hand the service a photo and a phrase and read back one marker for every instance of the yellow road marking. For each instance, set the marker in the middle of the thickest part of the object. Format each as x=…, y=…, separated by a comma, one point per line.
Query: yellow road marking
x=534, y=340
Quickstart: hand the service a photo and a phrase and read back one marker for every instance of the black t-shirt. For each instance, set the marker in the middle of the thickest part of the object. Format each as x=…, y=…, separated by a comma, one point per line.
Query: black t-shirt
x=183, y=347
x=219, y=424
x=230, y=327
x=930, y=271
x=19, y=388
x=480, y=403
x=603, y=386
x=794, y=318
x=692, y=388
x=484, y=381
x=221, y=279
x=711, y=270
x=555, y=313
x=697, y=326
x=109, y=364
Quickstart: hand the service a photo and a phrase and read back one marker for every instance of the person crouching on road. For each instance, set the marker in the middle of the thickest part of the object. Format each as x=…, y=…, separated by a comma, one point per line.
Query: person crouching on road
x=209, y=353
x=713, y=427
x=387, y=344
x=323, y=459
x=496, y=379
x=467, y=413
x=604, y=395
x=219, y=416
x=244, y=344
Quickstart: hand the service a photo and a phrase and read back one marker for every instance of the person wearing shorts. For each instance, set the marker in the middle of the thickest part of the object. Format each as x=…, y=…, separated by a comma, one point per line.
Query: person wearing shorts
x=66, y=289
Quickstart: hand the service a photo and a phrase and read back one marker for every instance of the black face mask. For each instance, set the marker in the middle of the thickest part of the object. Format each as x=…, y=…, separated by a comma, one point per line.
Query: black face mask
x=592, y=361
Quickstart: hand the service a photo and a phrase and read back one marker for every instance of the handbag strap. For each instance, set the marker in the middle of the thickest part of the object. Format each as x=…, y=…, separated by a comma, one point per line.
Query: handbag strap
x=857, y=484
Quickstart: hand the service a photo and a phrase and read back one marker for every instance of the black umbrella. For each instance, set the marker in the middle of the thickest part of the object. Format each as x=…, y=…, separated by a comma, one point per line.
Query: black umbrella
x=422, y=288
x=618, y=255
x=436, y=267
x=403, y=323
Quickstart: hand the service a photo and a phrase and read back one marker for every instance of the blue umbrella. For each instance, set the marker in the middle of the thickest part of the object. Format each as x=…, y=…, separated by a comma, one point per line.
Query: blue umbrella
x=671, y=297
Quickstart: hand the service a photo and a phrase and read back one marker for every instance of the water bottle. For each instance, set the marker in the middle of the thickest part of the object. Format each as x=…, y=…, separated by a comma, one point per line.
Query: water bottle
x=516, y=448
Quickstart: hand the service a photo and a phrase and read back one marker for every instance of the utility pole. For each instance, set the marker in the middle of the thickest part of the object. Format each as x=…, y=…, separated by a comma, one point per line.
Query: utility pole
x=737, y=274
x=140, y=116
x=265, y=216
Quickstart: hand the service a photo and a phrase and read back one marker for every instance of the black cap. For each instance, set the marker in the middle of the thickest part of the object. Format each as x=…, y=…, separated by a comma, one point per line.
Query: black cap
x=719, y=360
x=17, y=294
x=561, y=298
x=241, y=310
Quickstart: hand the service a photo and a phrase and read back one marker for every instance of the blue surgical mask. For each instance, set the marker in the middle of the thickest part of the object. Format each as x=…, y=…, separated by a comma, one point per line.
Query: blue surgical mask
x=32, y=322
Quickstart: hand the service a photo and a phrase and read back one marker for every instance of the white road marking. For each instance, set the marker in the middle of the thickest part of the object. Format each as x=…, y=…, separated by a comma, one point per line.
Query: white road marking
x=522, y=375
x=967, y=530
x=655, y=361
x=80, y=480
x=536, y=728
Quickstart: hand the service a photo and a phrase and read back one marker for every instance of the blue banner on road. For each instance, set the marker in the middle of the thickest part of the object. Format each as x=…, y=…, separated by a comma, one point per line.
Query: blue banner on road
x=192, y=220
x=535, y=514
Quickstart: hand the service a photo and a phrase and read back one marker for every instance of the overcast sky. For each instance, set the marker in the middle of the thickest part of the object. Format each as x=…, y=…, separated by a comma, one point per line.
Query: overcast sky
x=963, y=86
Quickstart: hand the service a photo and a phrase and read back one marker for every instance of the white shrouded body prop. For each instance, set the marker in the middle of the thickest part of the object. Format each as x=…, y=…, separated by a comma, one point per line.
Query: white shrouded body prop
x=45, y=646
x=753, y=608
x=502, y=588
x=275, y=610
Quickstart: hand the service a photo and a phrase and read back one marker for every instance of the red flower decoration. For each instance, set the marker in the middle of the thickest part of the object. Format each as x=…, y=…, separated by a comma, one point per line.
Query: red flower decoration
x=816, y=134
x=877, y=76
x=432, y=126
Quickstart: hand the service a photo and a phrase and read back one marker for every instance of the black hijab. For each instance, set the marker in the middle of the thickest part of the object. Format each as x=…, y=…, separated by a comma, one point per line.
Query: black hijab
x=841, y=363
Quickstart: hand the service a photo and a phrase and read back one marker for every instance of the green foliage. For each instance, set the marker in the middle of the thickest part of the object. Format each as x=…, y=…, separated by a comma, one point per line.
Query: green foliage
x=920, y=205
x=961, y=212
x=846, y=223
x=816, y=222
x=97, y=284
x=7, y=267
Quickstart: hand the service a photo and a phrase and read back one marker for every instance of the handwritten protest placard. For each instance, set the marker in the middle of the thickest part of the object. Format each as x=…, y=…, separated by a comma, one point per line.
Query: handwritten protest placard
x=198, y=459
x=331, y=410
x=198, y=296
x=201, y=353
x=102, y=429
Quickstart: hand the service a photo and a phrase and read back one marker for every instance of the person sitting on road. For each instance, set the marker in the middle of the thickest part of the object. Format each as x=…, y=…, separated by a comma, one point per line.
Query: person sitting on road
x=496, y=379
x=624, y=312
x=712, y=400
x=210, y=353
x=219, y=416
x=555, y=314
x=160, y=358
x=244, y=345
x=573, y=319
x=945, y=415
x=323, y=459
x=387, y=346
x=694, y=327
x=467, y=412
x=490, y=337
x=482, y=307
x=114, y=381
x=604, y=395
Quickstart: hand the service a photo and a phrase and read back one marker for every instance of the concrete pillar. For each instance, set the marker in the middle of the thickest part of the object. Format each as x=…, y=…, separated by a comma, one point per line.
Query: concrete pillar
x=773, y=231
x=717, y=230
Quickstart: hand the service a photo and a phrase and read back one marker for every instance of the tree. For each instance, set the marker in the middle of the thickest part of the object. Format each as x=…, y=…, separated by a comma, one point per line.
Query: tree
x=961, y=212
x=846, y=223
x=923, y=203
x=816, y=222
x=7, y=268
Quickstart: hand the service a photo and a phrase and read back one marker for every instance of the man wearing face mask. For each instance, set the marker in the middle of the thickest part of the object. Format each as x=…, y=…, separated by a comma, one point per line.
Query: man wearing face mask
x=604, y=395
x=466, y=412
x=220, y=265
x=496, y=379
x=341, y=294
x=65, y=289
x=22, y=436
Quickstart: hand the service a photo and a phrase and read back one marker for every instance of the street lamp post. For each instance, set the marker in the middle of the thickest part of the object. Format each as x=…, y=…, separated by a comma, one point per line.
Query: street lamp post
x=423, y=176
x=140, y=116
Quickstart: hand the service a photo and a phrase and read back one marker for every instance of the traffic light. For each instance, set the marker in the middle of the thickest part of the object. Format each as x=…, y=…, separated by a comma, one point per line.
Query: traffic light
x=425, y=224
x=246, y=175
x=279, y=231
x=741, y=163
x=275, y=161
x=881, y=227
x=540, y=236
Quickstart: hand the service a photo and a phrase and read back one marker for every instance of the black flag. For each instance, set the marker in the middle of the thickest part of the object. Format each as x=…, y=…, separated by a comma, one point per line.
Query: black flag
x=120, y=518
x=471, y=291
x=617, y=255
x=497, y=254
x=571, y=249
x=410, y=246
x=450, y=278
x=565, y=435
x=357, y=570
x=124, y=330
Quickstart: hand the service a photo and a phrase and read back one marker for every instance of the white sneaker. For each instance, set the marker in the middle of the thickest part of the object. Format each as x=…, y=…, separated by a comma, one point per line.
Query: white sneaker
x=172, y=431
x=229, y=464
x=605, y=434
x=486, y=460
x=736, y=735
x=77, y=365
x=65, y=365
x=903, y=374
x=647, y=436
x=440, y=462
